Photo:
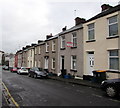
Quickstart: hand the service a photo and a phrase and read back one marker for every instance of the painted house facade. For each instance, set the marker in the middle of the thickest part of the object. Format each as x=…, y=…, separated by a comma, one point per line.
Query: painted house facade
x=30, y=56
x=71, y=49
x=102, y=42
x=51, y=54
x=39, y=55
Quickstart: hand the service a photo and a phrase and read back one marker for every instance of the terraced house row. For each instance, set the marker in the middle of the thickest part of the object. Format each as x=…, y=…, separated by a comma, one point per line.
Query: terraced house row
x=92, y=44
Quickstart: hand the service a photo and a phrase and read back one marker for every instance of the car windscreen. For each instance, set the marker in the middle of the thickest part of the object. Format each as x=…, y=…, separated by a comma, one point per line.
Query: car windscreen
x=24, y=68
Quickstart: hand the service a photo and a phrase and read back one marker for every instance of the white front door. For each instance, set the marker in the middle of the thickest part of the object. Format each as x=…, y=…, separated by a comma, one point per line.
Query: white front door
x=90, y=63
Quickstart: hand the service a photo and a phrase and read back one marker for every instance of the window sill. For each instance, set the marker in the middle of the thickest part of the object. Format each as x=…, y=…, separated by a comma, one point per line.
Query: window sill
x=73, y=47
x=53, y=51
x=74, y=70
x=111, y=37
x=90, y=41
x=62, y=48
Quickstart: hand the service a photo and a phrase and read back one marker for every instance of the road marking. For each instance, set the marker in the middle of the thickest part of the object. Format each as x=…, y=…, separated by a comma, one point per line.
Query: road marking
x=114, y=100
x=9, y=96
x=97, y=95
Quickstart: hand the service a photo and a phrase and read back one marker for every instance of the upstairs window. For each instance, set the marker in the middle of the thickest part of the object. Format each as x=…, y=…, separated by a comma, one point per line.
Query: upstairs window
x=39, y=49
x=113, y=26
x=47, y=47
x=114, y=60
x=74, y=39
x=91, y=32
x=63, y=42
x=53, y=45
x=35, y=50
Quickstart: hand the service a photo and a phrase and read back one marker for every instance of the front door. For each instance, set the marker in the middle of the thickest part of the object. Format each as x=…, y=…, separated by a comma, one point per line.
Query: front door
x=90, y=63
x=62, y=62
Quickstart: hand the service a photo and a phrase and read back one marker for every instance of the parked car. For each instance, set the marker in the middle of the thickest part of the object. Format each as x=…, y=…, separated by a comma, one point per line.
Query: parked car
x=37, y=73
x=14, y=69
x=22, y=70
x=5, y=67
x=111, y=87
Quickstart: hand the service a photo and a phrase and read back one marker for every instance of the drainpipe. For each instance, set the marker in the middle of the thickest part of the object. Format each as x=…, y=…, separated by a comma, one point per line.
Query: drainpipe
x=58, y=67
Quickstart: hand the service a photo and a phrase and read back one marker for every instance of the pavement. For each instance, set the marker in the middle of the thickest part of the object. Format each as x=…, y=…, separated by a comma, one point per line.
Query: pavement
x=77, y=81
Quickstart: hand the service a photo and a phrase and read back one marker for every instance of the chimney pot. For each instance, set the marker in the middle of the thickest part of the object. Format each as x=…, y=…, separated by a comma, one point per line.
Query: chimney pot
x=49, y=36
x=105, y=7
x=64, y=29
x=79, y=21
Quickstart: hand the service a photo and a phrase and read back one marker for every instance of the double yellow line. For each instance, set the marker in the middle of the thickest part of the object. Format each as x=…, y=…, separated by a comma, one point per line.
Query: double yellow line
x=12, y=99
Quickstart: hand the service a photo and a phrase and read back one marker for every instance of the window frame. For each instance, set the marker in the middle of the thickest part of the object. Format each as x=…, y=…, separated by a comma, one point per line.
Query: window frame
x=92, y=29
x=109, y=24
x=53, y=45
x=109, y=57
x=46, y=63
x=62, y=41
x=47, y=47
x=53, y=61
x=39, y=50
x=74, y=37
x=35, y=50
x=72, y=60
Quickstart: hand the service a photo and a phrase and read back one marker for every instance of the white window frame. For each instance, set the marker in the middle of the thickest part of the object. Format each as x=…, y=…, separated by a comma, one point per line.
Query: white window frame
x=46, y=63
x=112, y=57
x=74, y=37
x=35, y=63
x=35, y=50
x=62, y=42
x=47, y=47
x=72, y=62
x=53, y=45
x=39, y=63
x=53, y=61
x=92, y=29
x=39, y=49
x=109, y=24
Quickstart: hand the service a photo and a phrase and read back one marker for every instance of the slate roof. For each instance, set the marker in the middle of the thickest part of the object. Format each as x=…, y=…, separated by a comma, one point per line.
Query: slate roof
x=72, y=29
x=106, y=12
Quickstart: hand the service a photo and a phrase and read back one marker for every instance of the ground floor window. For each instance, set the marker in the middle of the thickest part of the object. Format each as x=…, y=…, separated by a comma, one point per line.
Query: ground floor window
x=113, y=60
x=53, y=63
x=39, y=63
x=35, y=63
x=73, y=62
x=46, y=63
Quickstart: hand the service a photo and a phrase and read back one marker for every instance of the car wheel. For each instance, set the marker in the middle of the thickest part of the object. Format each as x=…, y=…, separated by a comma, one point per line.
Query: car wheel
x=35, y=75
x=111, y=91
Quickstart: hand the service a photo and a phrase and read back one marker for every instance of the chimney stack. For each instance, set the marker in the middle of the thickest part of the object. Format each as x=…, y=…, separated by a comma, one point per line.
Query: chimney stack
x=33, y=44
x=49, y=36
x=79, y=21
x=39, y=41
x=64, y=29
x=105, y=7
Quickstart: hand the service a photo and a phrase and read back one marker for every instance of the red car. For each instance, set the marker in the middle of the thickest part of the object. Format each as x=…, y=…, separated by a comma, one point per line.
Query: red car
x=14, y=69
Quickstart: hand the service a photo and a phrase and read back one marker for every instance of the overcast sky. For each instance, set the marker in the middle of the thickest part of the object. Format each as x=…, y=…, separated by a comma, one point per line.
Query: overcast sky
x=26, y=21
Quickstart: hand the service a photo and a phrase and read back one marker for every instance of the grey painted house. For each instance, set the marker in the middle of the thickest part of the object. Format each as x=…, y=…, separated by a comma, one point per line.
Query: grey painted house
x=71, y=49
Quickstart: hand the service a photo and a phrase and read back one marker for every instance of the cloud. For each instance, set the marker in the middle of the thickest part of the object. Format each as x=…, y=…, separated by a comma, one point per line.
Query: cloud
x=26, y=21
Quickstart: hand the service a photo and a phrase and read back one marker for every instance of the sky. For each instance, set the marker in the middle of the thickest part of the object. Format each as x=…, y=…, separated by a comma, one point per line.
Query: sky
x=23, y=22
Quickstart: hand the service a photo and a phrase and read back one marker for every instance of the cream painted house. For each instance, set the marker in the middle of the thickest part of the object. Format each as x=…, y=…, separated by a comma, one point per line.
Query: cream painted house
x=102, y=42
x=30, y=56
